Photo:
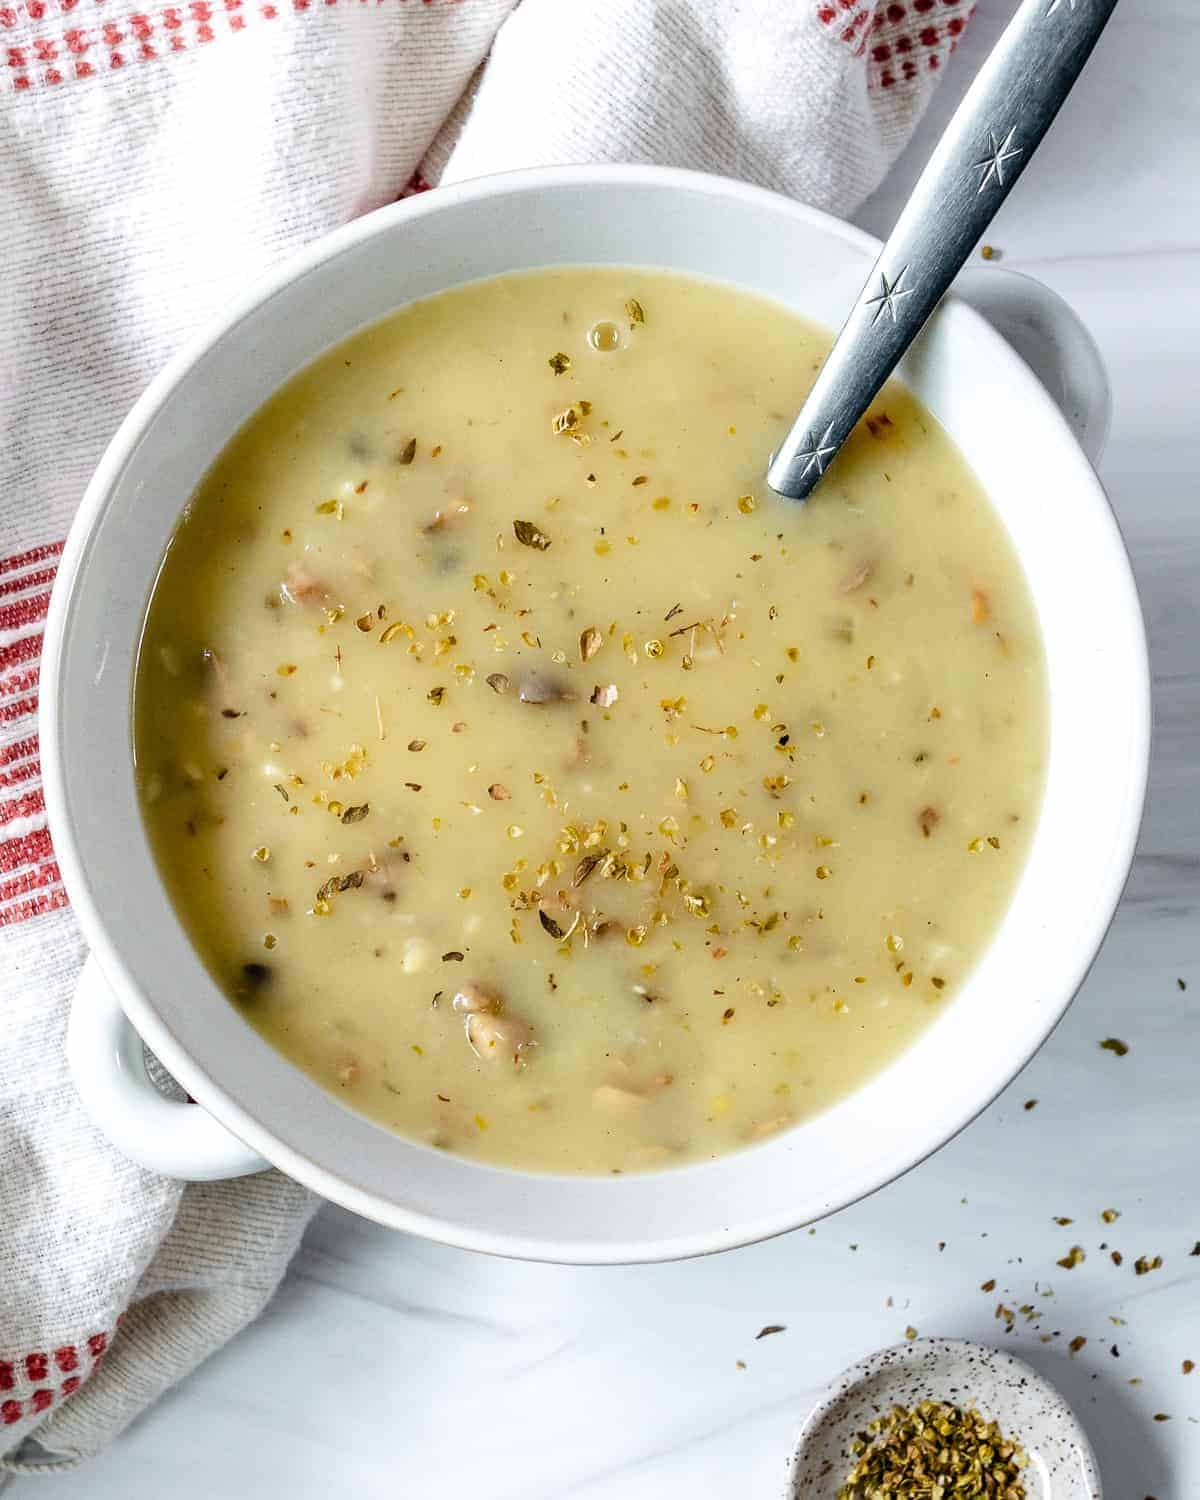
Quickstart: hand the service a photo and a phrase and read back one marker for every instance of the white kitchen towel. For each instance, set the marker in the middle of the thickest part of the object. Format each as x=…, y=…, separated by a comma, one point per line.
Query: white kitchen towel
x=153, y=161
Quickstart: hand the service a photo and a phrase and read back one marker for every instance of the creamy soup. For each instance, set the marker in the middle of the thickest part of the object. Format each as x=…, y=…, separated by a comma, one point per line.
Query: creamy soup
x=538, y=782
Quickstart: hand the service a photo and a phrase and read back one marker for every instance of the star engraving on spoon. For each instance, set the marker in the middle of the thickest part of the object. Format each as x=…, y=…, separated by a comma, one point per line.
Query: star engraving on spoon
x=890, y=293
x=817, y=452
x=1054, y=5
x=1001, y=152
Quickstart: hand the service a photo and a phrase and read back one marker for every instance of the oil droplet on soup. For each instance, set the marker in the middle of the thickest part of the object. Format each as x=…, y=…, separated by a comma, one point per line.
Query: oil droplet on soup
x=543, y=786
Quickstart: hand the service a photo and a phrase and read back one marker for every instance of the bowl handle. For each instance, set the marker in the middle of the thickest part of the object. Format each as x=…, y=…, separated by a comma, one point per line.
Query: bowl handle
x=1053, y=342
x=108, y=1065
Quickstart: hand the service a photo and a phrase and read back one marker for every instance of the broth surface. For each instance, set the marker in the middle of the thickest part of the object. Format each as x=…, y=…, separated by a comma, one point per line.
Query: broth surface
x=537, y=782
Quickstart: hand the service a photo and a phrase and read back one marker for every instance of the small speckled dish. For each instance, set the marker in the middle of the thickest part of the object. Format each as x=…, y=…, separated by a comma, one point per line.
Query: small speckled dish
x=1027, y=1408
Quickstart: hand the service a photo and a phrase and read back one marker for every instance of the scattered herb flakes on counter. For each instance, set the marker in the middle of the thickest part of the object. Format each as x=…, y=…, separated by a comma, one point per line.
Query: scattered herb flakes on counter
x=1145, y=1264
x=770, y=1329
x=1115, y=1044
x=934, y=1449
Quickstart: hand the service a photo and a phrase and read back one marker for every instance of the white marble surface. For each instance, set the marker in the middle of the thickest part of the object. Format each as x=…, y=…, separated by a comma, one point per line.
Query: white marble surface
x=387, y=1366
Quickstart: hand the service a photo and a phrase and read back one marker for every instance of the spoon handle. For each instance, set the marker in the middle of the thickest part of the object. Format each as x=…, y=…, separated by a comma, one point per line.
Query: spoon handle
x=985, y=148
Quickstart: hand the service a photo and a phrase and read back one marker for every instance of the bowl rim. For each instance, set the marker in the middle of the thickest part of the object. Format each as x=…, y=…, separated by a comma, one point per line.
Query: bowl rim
x=139, y=1006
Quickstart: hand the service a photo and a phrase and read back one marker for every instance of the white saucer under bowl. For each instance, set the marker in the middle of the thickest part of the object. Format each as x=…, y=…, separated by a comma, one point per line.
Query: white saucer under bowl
x=1003, y=1389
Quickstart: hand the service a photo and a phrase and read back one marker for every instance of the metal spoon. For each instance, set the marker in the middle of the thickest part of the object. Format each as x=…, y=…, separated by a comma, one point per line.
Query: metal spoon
x=995, y=130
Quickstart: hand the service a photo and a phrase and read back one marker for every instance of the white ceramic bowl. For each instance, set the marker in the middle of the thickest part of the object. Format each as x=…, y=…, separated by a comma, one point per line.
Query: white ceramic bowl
x=1002, y=1388
x=1018, y=444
